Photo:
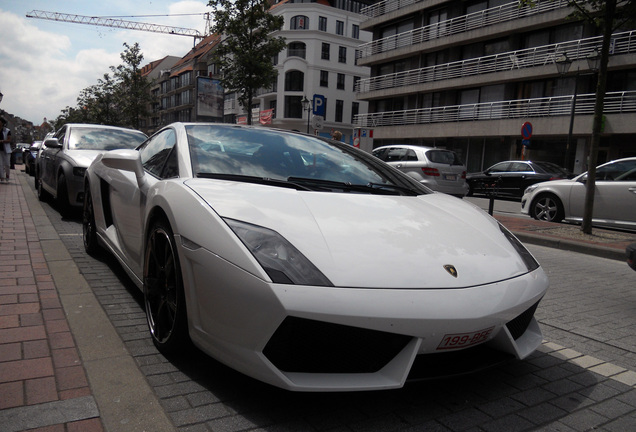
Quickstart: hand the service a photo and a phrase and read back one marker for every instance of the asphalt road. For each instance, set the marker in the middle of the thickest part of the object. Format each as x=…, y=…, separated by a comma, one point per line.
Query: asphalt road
x=583, y=377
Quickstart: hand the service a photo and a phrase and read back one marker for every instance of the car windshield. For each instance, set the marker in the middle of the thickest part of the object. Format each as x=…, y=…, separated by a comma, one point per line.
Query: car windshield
x=104, y=139
x=247, y=154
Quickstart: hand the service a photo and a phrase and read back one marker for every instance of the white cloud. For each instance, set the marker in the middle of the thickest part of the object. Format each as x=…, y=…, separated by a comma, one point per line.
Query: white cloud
x=43, y=71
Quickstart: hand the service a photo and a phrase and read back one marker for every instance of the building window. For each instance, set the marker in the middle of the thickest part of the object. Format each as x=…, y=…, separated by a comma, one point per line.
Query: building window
x=272, y=105
x=275, y=59
x=324, y=54
x=339, y=110
x=293, y=107
x=322, y=23
x=324, y=78
x=340, y=85
x=355, y=31
x=296, y=49
x=299, y=22
x=186, y=79
x=294, y=81
x=355, y=109
x=185, y=97
x=342, y=54
x=340, y=28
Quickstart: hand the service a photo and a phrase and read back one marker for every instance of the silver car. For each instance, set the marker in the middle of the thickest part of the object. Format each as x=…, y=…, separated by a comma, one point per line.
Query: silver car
x=60, y=167
x=614, y=197
x=439, y=169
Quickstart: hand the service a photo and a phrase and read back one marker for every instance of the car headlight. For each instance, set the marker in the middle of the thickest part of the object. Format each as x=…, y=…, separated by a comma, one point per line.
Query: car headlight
x=526, y=256
x=530, y=188
x=279, y=258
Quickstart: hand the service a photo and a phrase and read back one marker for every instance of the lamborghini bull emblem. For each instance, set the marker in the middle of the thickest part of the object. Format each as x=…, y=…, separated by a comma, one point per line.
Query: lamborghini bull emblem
x=451, y=270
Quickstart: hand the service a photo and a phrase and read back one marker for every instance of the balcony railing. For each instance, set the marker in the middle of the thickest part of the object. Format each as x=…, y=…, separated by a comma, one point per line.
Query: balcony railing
x=464, y=23
x=621, y=43
x=615, y=103
x=386, y=6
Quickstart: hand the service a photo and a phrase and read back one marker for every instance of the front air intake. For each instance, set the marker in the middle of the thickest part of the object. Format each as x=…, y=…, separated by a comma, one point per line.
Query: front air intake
x=303, y=345
x=518, y=326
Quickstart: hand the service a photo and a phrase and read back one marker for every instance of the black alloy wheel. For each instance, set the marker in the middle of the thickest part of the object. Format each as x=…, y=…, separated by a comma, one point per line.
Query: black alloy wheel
x=89, y=231
x=163, y=291
x=42, y=194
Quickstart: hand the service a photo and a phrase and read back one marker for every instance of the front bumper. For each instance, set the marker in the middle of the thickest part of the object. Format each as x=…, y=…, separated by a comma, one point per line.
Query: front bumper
x=344, y=339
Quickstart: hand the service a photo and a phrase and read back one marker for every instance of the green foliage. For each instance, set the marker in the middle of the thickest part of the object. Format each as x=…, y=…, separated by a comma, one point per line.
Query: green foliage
x=120, y=99
x=594, y=11
x=245, y=55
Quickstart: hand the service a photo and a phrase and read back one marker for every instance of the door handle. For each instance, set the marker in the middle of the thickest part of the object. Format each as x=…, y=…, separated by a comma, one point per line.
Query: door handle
x=632, y=190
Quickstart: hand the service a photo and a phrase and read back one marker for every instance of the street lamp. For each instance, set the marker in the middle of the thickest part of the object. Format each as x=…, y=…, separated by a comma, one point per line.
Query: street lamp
x=306, y=107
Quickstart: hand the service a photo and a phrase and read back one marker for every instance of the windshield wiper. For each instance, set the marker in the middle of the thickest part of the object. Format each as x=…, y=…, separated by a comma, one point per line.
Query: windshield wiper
x=253, y=179
x=376, y=188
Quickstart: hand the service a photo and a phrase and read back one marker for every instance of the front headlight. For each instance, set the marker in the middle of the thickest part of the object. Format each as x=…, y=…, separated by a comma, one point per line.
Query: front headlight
x=526, y=256
x=279, y=258
x=530, y=188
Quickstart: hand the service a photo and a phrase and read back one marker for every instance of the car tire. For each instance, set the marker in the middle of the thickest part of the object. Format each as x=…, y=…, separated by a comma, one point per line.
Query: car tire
x=42, y=194
x=547, y=207
x=89, y=230
x=164, y=297
x=63, y=204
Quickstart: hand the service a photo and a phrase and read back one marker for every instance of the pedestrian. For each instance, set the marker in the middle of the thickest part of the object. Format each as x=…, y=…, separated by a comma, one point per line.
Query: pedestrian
x=5, y=151
x=336, y=135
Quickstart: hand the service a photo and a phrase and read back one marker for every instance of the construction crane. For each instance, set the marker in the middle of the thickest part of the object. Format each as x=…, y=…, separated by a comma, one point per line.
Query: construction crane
x=118, y=23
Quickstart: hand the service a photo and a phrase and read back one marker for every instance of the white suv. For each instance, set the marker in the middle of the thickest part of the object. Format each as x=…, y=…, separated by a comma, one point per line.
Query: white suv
x=439, y=169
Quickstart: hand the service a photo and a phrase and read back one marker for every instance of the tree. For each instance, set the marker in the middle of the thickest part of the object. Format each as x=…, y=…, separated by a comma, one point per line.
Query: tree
x=245, y=54
x=606, y=16
x=132, y=91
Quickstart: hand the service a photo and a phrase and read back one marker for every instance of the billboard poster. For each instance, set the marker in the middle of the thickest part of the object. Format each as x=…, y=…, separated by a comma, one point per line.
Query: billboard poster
x=209, y=97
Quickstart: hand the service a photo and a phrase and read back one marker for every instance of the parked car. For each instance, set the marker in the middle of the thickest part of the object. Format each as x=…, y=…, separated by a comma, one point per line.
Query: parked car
x=16, y=154
x=614, y=197
x=29, y=155
x=439, y=169
x=66, y=155
x=631, y=255
x=304, y=262
x=511, y=178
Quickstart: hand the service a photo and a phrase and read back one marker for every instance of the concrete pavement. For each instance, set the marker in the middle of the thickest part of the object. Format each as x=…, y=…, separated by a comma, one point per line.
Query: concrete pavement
x=63, y=366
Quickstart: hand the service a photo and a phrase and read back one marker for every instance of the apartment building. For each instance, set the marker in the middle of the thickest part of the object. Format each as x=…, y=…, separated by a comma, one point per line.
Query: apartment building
x=318, y=66
x=467, y=74
x=185, y=89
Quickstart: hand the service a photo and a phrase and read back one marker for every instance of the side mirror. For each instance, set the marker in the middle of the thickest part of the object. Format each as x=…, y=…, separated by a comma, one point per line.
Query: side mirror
x=126, y=160
x=52, y=143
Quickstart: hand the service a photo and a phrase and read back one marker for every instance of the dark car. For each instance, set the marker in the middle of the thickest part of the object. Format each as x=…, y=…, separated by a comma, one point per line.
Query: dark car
x=631, y=255
x=61, y=165
x=511, y=178
x=29, y=155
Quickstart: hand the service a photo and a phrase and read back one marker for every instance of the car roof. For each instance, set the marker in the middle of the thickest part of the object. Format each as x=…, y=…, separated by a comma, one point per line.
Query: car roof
x=410, y=146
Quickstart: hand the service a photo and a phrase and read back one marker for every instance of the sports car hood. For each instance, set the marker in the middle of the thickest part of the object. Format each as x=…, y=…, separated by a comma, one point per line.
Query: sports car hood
x=361, y=240
x=83, y=158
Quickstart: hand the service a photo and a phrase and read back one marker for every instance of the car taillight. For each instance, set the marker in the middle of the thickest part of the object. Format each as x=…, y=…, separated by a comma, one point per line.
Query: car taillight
x=464, y=175
x=433, y=172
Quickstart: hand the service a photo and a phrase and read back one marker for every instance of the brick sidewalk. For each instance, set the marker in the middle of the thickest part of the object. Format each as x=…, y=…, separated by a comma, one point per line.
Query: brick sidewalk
x=43, y=385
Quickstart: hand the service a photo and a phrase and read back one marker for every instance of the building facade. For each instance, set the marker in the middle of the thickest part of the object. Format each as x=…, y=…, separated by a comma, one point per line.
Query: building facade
x=466, y=75
x=319, y=64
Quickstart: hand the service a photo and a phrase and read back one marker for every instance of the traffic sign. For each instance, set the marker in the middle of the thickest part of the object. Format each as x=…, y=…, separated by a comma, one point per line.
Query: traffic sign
x=526, y=130
x=319, y=105
x=317, y=122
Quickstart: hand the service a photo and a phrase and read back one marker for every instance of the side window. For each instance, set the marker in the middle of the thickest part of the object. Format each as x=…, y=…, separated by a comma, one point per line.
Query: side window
x=520, y=167
x=60, y=135
x=157, y=156
x=500, y=167
x=411, y=155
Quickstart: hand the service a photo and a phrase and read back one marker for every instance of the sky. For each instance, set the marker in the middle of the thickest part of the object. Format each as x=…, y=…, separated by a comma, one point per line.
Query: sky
x=45, y=64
